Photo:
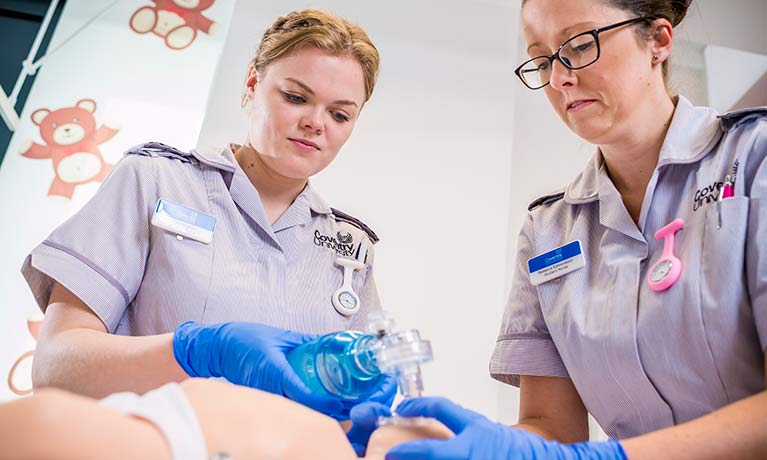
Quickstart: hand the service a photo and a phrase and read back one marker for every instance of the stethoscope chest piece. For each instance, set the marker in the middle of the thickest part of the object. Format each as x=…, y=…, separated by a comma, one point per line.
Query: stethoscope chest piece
x=667, y=270
x=345, y=300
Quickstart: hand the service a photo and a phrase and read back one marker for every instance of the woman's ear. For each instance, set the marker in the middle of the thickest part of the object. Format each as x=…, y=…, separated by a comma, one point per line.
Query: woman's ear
x=251, y=80
x=662, y=40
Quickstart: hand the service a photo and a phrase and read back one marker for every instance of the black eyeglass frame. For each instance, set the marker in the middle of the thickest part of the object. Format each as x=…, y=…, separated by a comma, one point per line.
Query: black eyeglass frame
x=594, y=33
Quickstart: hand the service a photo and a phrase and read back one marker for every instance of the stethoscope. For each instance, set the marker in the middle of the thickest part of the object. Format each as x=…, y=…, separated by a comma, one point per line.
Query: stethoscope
x=668, y=269
x=345, y=300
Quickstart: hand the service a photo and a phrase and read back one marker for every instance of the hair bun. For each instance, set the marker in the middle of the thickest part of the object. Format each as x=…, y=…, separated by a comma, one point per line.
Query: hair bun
x=680, y=10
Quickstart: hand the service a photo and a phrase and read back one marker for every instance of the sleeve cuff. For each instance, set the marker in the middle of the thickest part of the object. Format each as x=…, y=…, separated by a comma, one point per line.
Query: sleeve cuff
x=102, y=293
x=525, y=355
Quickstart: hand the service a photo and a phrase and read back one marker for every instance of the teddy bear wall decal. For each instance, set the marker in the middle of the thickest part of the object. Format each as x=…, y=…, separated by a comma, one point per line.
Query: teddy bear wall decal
x=20, y=377
x=72, y=143
x=177, y=21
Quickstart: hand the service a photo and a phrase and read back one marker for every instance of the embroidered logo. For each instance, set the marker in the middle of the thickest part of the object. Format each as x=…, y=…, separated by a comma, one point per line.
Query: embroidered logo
x=342, y=243
x=706, y=195
x=344, y=237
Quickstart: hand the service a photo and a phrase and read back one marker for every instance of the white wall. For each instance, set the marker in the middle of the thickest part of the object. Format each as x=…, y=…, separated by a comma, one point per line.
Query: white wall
x=737, y=24
x=731, y=73
x=427, y=167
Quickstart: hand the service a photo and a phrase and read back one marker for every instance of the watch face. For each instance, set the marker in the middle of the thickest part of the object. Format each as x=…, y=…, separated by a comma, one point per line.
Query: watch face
x=347, y=300
x=661, y=270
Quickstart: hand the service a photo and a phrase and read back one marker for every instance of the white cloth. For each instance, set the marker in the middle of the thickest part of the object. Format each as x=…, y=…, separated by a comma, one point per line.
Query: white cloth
x=167, y=408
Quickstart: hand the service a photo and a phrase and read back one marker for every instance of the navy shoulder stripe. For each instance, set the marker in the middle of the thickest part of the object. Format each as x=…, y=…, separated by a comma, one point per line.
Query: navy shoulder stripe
x=735, y=118
x=159, y=150
x=343, y=217
x=547, y=199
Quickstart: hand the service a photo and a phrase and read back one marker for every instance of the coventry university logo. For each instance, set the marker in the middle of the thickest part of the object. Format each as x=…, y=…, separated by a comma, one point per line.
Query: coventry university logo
x=342, y=243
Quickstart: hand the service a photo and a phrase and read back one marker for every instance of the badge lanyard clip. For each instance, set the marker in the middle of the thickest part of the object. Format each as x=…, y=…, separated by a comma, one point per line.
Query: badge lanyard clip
x=345, y=300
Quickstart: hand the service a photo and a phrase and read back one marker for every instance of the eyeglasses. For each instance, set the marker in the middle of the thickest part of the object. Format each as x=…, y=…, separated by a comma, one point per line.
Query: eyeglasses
x=576, y=53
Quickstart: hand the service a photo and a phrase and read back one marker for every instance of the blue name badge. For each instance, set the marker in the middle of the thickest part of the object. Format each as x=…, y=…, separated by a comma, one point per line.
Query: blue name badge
x=555, y=263
x=184, y=221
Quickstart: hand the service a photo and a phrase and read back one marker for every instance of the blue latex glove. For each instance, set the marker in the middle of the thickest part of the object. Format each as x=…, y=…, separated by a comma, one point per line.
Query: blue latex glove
x=249, y=354
x=478, y=438
x=364, y=417
x=384, y=395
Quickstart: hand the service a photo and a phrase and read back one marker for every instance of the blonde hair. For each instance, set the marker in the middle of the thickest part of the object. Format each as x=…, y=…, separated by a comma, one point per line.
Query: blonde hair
x=321, y=30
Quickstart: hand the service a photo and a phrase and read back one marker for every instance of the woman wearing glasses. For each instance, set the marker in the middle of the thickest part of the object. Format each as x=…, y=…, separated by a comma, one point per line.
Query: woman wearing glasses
x=601, y=319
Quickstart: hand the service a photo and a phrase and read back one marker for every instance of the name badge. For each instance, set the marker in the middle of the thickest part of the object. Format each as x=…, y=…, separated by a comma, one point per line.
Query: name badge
x=184, y=221
x=555, y=263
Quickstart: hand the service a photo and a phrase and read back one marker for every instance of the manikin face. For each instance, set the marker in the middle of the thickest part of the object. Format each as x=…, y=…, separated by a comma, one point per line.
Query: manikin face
x=302, y=110
x=596, y=102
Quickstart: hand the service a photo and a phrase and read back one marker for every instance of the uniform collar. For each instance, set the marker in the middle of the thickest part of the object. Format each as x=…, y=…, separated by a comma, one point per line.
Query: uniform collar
x=247, y=198
x=216, y=157
x=300, y=211
x=690, y=137
x=316, y=202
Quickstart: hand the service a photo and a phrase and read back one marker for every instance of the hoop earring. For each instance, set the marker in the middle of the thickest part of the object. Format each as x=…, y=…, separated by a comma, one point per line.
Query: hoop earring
x=244, y=100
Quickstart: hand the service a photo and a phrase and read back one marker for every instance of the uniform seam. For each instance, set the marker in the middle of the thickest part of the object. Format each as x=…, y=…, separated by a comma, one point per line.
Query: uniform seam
x=615, y=379
x=152, y=206
x=700, y=301
x=202, y=172
x=93, y=266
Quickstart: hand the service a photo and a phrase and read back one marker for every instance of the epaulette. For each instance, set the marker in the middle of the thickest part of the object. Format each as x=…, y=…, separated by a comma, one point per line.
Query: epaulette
x=157, y=149
x=546, y=199
x=343, y=217
x=735, y=118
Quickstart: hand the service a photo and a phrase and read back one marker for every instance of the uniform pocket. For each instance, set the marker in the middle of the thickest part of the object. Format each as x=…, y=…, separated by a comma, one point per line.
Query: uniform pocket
x=176, y=282
x=724, y=306
x=723, y=249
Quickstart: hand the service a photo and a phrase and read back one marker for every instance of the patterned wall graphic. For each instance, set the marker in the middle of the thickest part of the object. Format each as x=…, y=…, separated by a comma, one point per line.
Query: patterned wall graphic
x=71, y=140
x=177, y=21
x=20, y=375
x=97, y=72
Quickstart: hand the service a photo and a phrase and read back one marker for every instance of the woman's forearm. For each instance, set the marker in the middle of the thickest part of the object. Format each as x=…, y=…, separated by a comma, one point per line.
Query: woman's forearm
x=96, y=364
x=737, y=431
x=547, y=430
x=76, y=353
x=536, y=428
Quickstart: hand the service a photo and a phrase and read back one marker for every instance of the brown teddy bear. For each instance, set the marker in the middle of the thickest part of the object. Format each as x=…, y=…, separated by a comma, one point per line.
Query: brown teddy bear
x=71, y=141
x=176, y=20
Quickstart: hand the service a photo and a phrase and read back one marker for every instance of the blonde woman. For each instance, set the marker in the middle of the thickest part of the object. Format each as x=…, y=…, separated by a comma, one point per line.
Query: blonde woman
x=215, y=262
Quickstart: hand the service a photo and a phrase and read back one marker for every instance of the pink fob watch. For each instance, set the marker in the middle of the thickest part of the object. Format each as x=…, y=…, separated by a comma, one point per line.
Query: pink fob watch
x=666, y=271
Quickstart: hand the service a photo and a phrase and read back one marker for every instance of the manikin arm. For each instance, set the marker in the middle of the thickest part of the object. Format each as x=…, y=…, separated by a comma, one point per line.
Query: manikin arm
x=58, y=425
x=239, y=421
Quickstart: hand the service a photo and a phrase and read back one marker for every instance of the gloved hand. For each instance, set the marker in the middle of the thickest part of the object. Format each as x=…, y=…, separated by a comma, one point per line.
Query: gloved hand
x=364, y=418
x=249, y=354
x=478, y=438
x=385, y=394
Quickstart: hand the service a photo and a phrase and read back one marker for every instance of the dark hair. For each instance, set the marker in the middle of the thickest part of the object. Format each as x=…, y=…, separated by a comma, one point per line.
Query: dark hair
x=672, y=10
